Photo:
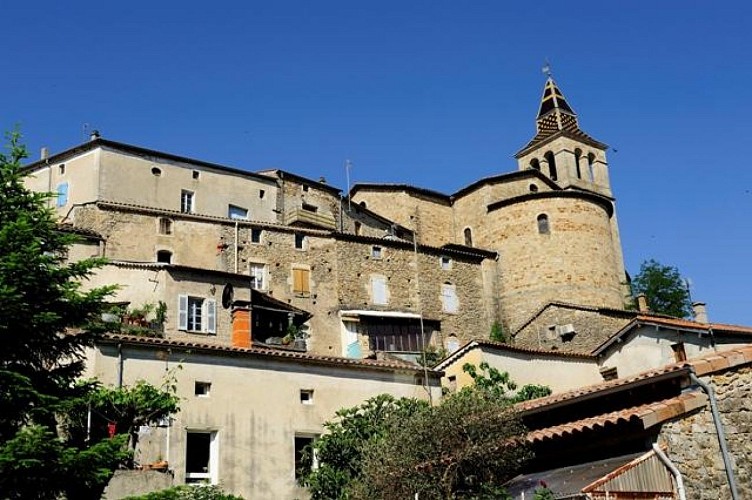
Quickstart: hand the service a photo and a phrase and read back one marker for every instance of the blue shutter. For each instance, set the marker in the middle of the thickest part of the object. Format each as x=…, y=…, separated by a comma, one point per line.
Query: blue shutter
x=62, y=194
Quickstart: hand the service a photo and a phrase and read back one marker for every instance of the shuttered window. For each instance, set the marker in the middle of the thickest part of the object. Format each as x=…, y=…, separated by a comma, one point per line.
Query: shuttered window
x=449, y=302
x=62, y=194
x=301, y=281
x=379, y=290
x=196, y=314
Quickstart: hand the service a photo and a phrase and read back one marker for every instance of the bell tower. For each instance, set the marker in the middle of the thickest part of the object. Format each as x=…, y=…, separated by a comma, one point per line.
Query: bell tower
x=561, y=150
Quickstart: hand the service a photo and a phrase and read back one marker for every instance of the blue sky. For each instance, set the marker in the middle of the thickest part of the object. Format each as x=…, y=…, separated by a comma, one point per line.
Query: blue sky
x=433, y=93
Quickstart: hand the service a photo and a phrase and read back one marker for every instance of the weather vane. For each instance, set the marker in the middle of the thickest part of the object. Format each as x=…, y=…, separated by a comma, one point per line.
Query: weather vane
x=547, y=68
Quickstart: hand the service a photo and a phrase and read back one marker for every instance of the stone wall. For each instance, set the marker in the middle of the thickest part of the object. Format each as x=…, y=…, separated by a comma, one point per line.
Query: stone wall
x=693, y=444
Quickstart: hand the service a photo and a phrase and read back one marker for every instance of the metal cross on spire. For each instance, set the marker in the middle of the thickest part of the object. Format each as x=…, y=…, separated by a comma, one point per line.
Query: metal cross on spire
x=547, y=68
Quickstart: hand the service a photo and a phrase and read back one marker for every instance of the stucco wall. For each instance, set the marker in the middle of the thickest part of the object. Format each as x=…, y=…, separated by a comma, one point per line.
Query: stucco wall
x=81, y=173
x=254, y=407
x=693, y=444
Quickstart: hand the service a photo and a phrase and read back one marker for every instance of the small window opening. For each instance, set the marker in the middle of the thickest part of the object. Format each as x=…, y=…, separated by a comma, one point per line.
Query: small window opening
x=446, y=263
x=196, y=174
x=452, y=379
x=261, y=194
x=61, y=169
x=156, y=172
x=358, y=227
x=306, y=396
x=680, y=354
x=236, y=212
x=535, y=164
x=363, y=204
x=533, y=188
x=468, y=237
x=186, y=201
x=300, y=241
x=255, y=235
x=310, y=208
x=591, y=166
x=577, y=157
x=543, y=225
x=376, y=252
x=609, y=373
x=165, y=225
x=305, y=188
x=551, y=166
x=202, y=389
x=164, y=256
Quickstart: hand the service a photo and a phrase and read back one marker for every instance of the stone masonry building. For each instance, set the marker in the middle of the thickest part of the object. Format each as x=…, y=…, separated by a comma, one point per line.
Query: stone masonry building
x=357, y=274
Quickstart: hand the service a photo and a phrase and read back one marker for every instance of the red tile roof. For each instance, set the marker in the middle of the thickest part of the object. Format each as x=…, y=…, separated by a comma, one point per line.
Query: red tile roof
x=648, y=415
x=216, y=348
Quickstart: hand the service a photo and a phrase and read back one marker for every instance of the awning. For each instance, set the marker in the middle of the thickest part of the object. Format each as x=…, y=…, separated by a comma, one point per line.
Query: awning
x=378, y=314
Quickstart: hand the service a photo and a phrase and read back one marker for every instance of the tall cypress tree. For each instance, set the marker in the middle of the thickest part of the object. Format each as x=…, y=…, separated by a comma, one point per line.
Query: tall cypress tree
x=46, y=321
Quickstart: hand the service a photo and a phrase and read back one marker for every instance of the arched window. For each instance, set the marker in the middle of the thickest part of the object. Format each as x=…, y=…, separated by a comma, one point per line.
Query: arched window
x=577, y=156
x=468, y=237
x=591, y=166
x=551, y=166
x=363, y=204
x=164, y=256
x=535, y=164
x=533, y=188
x=543, y=226
x=357, y=228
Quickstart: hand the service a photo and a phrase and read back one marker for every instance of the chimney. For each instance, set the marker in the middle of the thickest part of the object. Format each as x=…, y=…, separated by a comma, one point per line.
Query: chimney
x=700, y=312
x=642, y=303
x=44, y=153
x=94, y=135
x=241, y=327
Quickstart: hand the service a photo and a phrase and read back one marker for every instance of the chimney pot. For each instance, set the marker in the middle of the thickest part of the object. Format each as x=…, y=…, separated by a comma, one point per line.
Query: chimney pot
x=94, y=135
x=44, y=153
x=642, y=303
x=700, y=312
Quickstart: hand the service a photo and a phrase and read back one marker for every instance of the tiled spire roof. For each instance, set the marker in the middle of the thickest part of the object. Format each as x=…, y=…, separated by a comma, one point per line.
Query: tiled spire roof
x=556, y=117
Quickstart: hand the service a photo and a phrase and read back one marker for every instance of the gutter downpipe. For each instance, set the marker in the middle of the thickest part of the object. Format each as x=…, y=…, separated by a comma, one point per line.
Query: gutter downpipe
x=237, y=232
x=719, y=430
x=120, y=365
x=674, y=471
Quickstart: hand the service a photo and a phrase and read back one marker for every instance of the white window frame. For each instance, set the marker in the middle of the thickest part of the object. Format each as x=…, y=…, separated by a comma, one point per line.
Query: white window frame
x=258, y=275
x=377, y=252
x=212, y=475
x=207, y=313
x=449, y=302
x=315, y=459
x=187, y=201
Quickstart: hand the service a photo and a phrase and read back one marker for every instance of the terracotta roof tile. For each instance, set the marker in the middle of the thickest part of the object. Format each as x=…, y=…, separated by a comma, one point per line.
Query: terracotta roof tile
x=648, y=415
x=272, y=353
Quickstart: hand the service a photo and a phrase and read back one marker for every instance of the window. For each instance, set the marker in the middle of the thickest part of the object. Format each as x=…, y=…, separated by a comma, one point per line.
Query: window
x=61, y=168
x=452, y=383
x=196, y=174
x=164, y=256
x=196, y=314
x=165, y=225
x=305, y=458
x=449, y=302
x=62, y=194
x=452, y=343
x=258, y=276
x=397, y=334
x=306, y=396
x=446, y=263
x=543, y=225
x=577, y=157
x=358, y=227
x=533, y=188
x=310, y=208
x=301, y=282
x=379, y=290
x=376, y=252
x=305, y=188
x=235, y=212
x=262, y=193
x=535, y=164
x=363, y=204
x=156, y=172
x=255, y=235
x=468, y=237
x=202, y=389
x=186, y=201
x=551, y=166
x=609, y=373
x=680, y=354
x=300, y=241
x=201, y=457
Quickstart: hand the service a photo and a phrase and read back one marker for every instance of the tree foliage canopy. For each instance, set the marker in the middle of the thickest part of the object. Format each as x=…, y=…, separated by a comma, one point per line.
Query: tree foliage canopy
x=466, y=447
x=664, y=288
x=47, y=321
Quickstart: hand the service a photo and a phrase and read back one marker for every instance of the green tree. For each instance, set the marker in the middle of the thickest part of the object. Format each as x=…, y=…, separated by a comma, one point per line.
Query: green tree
x=500, y=386
x=664, y=288
x=188, y=492
x=498, y=334
x=47, y=321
